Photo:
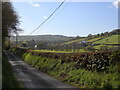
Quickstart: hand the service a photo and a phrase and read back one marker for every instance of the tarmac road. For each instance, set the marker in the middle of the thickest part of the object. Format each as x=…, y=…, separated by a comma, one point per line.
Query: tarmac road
x=31, y=77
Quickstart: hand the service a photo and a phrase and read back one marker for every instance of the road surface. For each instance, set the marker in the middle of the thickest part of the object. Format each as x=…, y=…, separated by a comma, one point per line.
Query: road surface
x=31, y=77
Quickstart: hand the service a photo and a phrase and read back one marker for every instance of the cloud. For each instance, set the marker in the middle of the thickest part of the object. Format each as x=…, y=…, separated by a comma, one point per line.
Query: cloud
x=34, y=4
x=45, y=17
x=115, y=3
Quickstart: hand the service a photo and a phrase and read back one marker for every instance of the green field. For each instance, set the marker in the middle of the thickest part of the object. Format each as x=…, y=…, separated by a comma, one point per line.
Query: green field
x=78, y=40
x=54, y=51
x=94, y=39
x=109, y=40
x=98, y=46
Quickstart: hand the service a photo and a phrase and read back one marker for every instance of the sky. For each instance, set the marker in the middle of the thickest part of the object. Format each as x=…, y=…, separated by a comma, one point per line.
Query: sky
x=71, y=19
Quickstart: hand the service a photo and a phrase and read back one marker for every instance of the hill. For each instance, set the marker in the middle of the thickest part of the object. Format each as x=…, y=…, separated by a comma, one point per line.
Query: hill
x=42, y=38
x=113, y=39
x=103, y=38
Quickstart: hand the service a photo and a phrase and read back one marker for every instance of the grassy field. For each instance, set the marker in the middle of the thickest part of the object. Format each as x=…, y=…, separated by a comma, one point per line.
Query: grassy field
x=107, y=40
x=98, y=46
x=94, y=39
x=54, y=51
x=78, y=40
x=114, y=39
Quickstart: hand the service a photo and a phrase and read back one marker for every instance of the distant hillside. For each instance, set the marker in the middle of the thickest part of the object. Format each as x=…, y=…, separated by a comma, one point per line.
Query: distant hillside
x=42, y=38
x=113, y=39
x=106, y=38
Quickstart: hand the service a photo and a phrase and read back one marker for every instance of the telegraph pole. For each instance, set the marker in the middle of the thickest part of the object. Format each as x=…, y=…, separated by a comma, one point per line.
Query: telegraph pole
x=16, y=40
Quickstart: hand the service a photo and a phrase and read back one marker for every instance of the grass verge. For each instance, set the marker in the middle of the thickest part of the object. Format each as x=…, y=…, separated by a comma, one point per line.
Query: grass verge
x=8, y=79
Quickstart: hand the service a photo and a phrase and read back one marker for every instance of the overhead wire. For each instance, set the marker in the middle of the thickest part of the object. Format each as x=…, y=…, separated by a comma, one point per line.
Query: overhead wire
x=55, y=16
x=48, y=17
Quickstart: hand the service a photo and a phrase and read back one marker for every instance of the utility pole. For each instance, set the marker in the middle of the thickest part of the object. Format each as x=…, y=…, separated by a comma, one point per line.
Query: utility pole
x=16, y=40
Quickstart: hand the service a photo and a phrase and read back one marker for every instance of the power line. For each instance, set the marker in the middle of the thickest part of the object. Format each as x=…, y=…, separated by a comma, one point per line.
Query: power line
x=48, y=17
x=55, y=16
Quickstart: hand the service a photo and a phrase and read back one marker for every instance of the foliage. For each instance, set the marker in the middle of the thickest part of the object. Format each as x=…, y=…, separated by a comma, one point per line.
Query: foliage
x=78, y=69
x=8, y=79
x=9, y=20
x=99, y=61
x=68, y=73
x=7, y=45
x=9, y=25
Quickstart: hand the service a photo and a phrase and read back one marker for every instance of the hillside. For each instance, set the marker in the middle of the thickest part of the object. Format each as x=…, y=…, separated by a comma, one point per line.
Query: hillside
x=103, y=38
x=87, y=39
x=42, y=38
x=74, y=41
x=114, y=39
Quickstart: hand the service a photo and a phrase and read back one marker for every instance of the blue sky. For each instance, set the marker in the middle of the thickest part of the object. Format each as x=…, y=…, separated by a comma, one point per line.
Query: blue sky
x=72, y=18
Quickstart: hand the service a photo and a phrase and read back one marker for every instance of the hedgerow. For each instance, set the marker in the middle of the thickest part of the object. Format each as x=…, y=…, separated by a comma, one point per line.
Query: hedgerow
x=95, y=61
x=68, y=73
x=92, y=70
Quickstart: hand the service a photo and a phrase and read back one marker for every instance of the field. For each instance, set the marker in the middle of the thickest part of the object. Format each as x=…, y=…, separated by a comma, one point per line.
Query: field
x=87, y=39
x=55, y=51
x=109, y=46
x=94, y=39
x=52, y=51
x=78, y=40
x=114, y=39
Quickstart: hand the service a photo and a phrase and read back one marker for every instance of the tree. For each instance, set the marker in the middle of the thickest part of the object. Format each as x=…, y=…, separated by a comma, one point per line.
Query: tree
x=77, y=37
x=89, y=35
x=102, y=34
x=98, y=35
x=106, y=33
x=10, y=21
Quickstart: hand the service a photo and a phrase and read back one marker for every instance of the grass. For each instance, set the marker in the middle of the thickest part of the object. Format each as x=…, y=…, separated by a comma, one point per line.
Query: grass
x=109, y=46
x=94, y=39
x=54, y=51
x=114, y=39
x=8, y=78
x=77, y=77
x=78, y=40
